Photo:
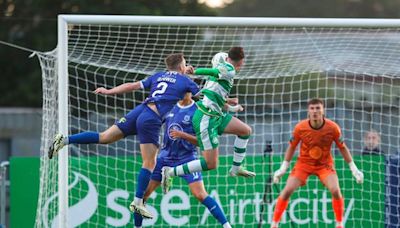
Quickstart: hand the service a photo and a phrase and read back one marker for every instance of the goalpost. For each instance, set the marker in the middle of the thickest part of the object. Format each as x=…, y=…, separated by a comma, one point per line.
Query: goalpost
x=353, y=64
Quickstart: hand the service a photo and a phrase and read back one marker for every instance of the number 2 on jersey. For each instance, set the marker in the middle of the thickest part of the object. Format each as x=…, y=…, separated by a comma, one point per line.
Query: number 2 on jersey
x=162, y=87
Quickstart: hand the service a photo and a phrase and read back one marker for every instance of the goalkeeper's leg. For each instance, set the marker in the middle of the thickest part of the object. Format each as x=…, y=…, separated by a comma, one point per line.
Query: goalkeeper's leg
x=232, y=125
x=330, y=180
x=283, y=200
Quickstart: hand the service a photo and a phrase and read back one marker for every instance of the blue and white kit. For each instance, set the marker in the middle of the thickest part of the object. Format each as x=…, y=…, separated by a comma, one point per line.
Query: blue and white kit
x=175, y=152
x=166, y=89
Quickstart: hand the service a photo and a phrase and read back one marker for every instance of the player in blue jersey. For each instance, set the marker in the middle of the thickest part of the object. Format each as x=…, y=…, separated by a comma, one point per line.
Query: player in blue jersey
x=176, y=150
x=145, y=120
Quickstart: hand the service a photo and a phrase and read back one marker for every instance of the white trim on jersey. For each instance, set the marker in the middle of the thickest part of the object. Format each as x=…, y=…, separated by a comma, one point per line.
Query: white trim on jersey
x=185, y=107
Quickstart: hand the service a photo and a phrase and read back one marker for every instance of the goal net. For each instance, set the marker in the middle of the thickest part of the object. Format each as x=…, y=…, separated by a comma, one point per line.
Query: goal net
x=353, y=65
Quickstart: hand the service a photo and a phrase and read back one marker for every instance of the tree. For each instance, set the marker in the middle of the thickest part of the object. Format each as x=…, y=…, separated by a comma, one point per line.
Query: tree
x=312, y=8
x=33, y=24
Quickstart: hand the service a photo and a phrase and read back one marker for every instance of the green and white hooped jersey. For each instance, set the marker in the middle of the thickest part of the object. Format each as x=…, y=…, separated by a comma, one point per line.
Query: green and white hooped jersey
x=217, y=88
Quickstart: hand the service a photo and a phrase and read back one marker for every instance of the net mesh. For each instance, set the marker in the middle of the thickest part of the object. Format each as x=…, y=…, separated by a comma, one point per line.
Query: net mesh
x=355, y=70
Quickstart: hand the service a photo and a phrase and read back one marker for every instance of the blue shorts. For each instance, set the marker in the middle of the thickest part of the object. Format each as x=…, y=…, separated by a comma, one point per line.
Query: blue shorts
x=189, y=178
x=143, y=122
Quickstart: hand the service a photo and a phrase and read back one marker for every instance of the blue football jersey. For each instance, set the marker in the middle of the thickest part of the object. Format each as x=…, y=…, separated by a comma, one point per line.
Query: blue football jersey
x=167, y=88
x=180, y=118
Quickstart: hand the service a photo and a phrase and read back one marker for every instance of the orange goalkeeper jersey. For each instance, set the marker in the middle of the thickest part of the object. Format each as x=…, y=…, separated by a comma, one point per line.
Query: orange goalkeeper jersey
x=315, y=148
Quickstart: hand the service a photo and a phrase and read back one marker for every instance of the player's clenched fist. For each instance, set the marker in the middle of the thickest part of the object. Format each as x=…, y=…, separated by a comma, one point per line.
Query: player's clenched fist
x=282, y=170
x=189, y=69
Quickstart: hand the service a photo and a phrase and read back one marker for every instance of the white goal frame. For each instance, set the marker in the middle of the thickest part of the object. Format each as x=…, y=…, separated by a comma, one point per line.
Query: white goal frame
x=62, y=56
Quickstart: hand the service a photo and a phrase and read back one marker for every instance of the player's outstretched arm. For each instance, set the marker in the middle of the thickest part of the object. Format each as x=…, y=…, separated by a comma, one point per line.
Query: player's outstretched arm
x=183, y=135
x=207, y=71
x=123, y=88
x=358, y=175
x=189, y=69
x=285, y=164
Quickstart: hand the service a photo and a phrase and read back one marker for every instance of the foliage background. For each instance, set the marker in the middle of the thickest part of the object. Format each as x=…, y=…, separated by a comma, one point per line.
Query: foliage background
x=33, y=24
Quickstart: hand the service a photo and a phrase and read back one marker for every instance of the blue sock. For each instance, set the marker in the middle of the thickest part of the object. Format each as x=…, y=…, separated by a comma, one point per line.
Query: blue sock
x=138, y=219
x=215, y=209
x=86, y=137
x=142, y=182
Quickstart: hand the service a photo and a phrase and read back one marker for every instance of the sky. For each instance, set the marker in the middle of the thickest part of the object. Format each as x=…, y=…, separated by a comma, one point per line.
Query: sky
x=216, y=3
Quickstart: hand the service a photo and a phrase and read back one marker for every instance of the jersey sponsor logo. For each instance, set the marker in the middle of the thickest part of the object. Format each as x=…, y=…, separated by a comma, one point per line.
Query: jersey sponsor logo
x=174, y=126
x=186, y=119
x=110, y=209
x=122, y=120
x=315, y=152
x=83, y=210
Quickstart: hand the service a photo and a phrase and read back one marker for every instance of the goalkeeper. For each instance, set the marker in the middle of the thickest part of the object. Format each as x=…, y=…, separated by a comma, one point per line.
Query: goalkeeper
x=179, y=146
x=316, y=134
x=210, y=115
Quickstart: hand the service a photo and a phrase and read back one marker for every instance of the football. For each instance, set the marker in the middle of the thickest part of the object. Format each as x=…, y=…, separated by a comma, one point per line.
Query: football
x=218, y=58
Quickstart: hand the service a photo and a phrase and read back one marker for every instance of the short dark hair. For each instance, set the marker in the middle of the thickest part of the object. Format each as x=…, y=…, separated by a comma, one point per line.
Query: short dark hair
x=236, y=53
x=173, y=61
x=315, y=101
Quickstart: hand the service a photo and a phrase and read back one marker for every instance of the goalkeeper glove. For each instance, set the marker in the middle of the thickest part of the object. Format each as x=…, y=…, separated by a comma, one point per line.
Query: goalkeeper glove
x=356, y=173
x=282, y=170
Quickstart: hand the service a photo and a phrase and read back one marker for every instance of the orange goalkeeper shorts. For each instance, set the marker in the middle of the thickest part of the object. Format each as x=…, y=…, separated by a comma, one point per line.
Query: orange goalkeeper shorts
x=303, y=170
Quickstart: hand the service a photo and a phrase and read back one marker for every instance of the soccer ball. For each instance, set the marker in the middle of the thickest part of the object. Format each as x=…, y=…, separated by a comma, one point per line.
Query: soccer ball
x=219, y=58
